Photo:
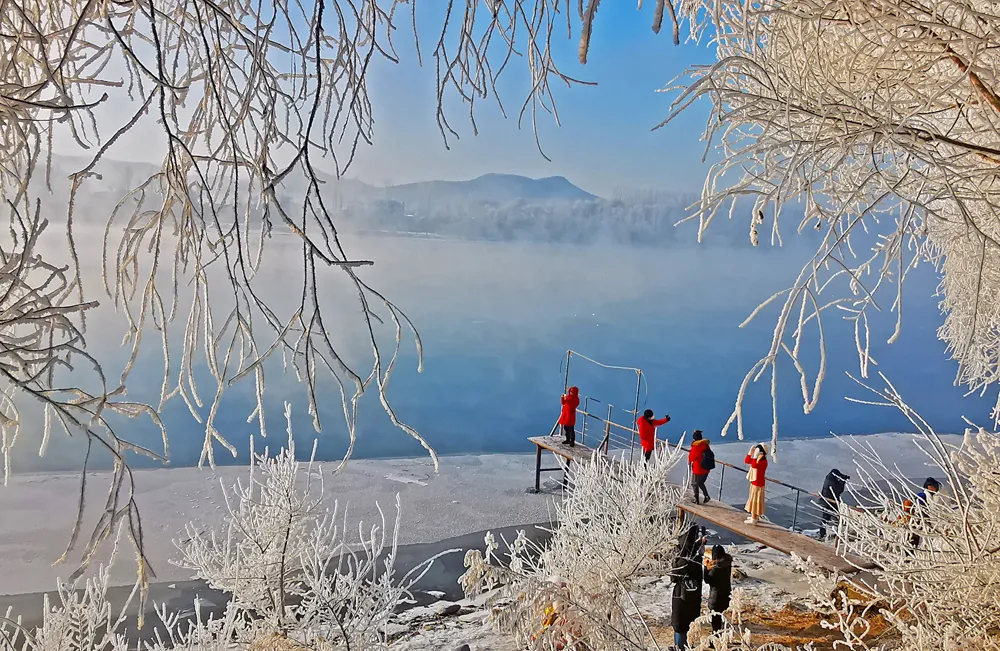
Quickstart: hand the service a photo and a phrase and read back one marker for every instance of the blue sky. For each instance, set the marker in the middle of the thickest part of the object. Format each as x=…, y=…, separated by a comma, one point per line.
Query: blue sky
x=604, y=142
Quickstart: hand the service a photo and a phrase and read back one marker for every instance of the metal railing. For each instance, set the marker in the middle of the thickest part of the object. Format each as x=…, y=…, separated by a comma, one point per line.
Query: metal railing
x=791, y=506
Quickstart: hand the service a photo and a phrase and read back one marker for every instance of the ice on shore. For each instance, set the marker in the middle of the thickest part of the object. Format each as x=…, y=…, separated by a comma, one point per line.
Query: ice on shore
x=471, y=494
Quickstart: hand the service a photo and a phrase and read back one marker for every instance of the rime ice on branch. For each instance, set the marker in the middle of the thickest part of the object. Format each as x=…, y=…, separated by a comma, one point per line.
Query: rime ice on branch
x=877, y=122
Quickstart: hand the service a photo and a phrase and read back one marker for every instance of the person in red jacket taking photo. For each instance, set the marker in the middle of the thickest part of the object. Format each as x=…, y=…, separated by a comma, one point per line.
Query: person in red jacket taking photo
x=647, y=431
x=567, y=418
x=698, y=462
x=757, y=460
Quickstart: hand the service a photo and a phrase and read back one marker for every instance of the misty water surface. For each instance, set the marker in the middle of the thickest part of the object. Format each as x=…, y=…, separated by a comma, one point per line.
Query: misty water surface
x=496, y=320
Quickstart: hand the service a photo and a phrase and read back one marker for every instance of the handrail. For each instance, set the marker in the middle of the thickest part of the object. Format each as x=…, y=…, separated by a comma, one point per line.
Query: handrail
x=718, y=461
x=632, y=431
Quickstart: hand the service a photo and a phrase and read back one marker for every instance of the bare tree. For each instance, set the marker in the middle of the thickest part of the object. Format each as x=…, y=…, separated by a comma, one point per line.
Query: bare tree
x=878, y=116
x=293, y=577
x=245, y=98
x=617, y=522
x=878, y=122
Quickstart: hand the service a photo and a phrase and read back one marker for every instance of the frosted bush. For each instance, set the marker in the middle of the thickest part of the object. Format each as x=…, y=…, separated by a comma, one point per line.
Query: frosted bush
x=81, y=620
x=616, y=523
x=941, y=593
x=288, y=565
x=294, y=579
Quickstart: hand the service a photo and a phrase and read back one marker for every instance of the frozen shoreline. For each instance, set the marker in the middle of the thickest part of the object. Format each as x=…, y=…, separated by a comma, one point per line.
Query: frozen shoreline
x=470, y=494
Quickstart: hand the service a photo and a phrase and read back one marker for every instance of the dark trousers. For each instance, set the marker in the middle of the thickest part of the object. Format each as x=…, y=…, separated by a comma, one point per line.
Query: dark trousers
x=698, y=483
x=827, y=510
x=647, y=454
x=570, y=435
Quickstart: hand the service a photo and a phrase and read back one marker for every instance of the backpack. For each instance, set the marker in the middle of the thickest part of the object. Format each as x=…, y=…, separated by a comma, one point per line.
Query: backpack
x=707, y=459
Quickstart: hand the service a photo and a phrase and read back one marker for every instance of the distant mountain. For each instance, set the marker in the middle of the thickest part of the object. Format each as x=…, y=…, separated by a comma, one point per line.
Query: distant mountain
x=493, y=207
x=489, y=188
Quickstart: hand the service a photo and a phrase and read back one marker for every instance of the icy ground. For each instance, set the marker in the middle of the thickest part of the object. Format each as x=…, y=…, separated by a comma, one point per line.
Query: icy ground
x=471, y=493
x=765, y=579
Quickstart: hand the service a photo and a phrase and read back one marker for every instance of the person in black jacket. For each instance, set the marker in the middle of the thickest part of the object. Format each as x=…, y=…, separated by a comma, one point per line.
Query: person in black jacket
x=687, y=578
x=719, y=577
x=833, y=488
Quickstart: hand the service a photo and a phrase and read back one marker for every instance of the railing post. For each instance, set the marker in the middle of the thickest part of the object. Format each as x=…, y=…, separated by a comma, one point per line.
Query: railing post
x=722, y=482
x=583, y=430
x=635, y=412
x=607, y=430
x=631, y=447
x=795, y=514
x=569, y=355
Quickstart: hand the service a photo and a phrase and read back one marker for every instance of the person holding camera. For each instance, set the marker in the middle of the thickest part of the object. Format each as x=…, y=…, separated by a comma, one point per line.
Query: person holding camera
x=757, y=460
x=685, y=604
x=719, y=577
x=833, y=487
x=647, y=431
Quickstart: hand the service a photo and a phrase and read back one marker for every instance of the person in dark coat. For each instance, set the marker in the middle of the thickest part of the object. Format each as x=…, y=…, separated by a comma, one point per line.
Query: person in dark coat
x=931, y=487
x=719, y=577
x=687, y=577
x=833, y=488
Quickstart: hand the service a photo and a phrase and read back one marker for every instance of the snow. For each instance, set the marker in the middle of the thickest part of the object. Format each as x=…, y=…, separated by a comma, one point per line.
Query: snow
x=766, y=579
x=471, y=494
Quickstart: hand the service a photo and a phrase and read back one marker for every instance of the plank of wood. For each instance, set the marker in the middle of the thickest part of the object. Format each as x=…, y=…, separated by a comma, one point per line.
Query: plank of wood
x=555, y=444
x=776, y=537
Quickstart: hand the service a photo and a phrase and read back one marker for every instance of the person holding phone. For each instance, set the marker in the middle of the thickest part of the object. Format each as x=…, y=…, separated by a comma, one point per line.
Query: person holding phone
x=687, y=576
x=719, y=577
x=647, y=431
x=757, y=460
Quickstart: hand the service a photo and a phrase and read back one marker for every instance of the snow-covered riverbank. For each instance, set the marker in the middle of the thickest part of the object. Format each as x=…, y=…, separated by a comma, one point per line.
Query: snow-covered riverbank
x=470, y=494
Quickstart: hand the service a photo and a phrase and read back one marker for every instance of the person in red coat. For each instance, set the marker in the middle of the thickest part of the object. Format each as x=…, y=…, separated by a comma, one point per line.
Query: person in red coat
x=567, y=418
x=698, y=474
x=757, y=460
x=647, y=431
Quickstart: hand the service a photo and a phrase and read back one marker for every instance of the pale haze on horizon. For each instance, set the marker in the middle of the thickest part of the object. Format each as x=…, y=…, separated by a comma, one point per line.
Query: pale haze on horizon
x=605, y=142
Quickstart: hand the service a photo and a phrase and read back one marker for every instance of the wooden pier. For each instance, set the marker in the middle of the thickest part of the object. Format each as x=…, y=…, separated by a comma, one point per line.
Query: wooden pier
x=721, y=515
x=778, y=538
x=555, y=445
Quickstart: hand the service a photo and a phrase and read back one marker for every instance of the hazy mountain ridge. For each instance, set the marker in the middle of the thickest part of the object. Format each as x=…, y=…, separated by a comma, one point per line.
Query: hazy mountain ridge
x=492, y=207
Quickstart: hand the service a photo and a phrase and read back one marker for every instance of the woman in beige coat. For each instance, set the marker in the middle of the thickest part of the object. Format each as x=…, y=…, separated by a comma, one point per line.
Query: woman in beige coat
x=757, y=460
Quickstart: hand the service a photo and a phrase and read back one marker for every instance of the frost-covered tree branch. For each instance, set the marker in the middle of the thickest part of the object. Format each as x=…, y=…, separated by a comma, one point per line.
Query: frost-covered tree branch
x=876, y=124
x=288, y=564
x=617, y=521
x=938, y=572
x=246, y=99
x=881, y=119
x=294, y=578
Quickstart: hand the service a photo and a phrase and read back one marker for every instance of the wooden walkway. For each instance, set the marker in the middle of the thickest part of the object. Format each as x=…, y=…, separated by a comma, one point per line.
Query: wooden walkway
x=721, y=515
x=775, y=537
x=555, y=445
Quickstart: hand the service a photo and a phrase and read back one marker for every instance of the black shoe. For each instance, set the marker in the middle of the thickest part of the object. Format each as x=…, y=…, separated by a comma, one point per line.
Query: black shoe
x=707, y=500
x=695, y=500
